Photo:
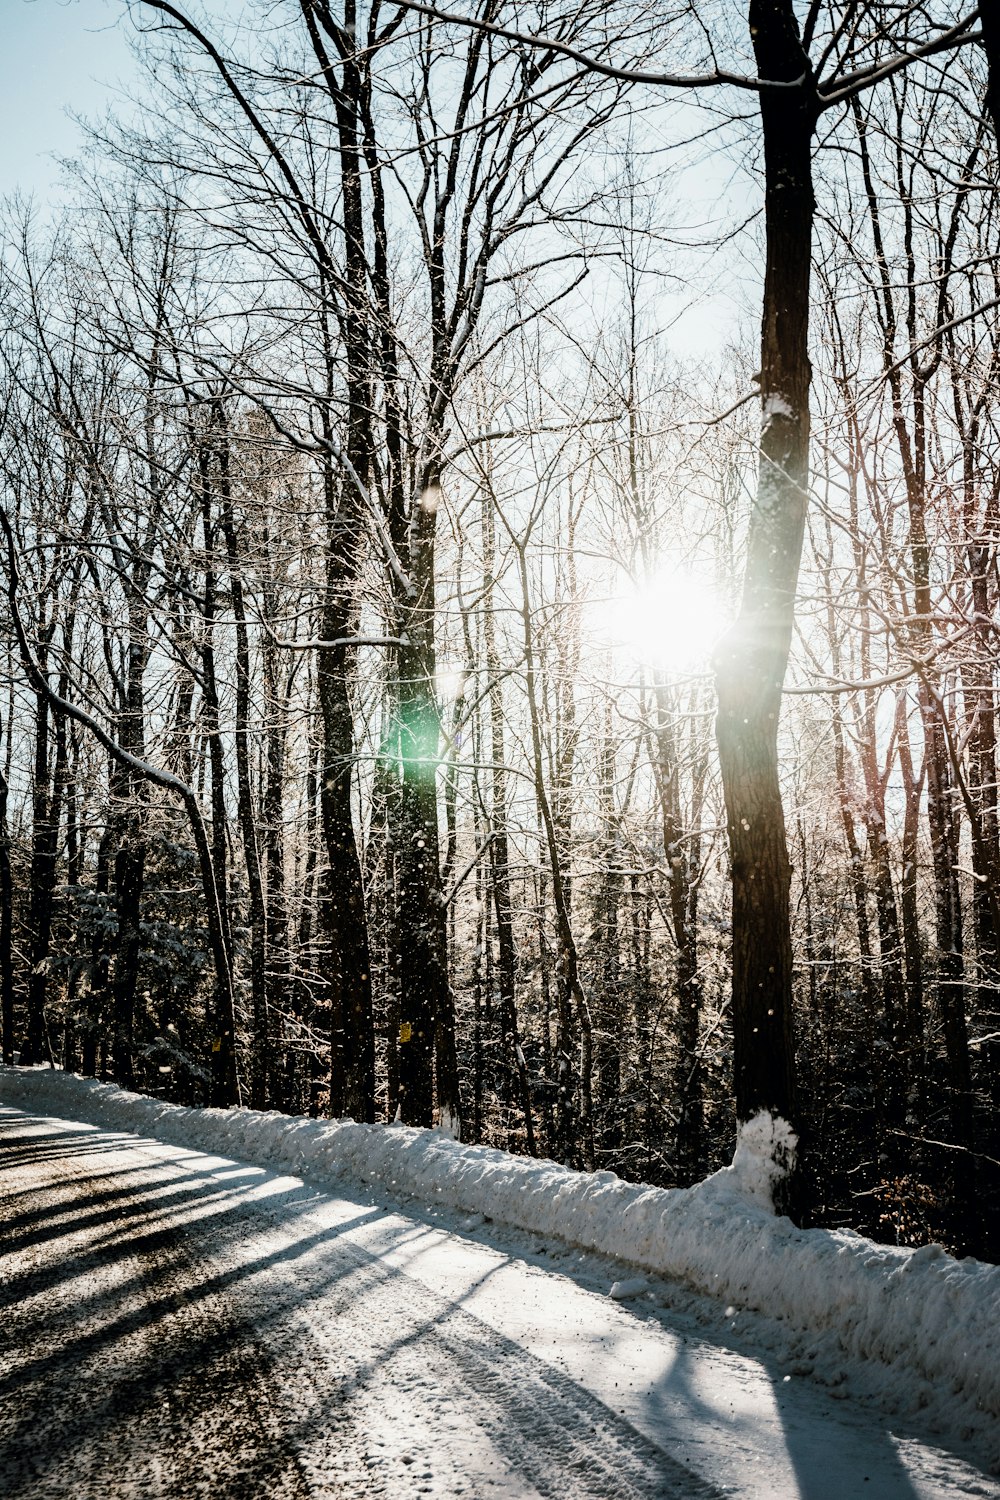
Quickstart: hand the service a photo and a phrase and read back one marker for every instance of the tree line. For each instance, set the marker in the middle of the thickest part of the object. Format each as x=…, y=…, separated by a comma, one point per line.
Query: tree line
x=340, y=438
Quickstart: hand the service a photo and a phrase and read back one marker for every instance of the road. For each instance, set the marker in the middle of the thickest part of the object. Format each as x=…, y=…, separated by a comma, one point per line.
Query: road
x=178, y=1325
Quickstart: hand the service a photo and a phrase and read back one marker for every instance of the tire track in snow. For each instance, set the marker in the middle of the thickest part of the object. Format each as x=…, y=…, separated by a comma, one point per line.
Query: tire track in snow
x=120, y=1377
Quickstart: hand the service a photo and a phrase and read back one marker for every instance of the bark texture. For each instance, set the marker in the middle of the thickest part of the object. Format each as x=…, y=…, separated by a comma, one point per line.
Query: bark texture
x=753, y=656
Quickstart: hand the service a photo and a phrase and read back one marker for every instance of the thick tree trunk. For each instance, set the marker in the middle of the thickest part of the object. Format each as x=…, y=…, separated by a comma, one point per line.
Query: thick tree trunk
x=752, y=658
x=128, y=795
x=352, y=1038
x=129, y=865
x=100, y=964
x=130, y=869
x=420, y=912
x=352, y=1081
x=222, y=1027
x=426, y=1016
x=989, y=20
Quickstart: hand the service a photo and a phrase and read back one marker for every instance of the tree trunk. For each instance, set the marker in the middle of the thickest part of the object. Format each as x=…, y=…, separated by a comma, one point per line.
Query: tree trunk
x=6, y=931
x=989, y=20
x=573, y=1135
x=752, y=658
x=352, y=1059
x=682, y=877
x=245, y=800
x=130, y=791
x=100, y=963
x=44, y=835
x=278, y=975
x=513, y=1069
x=420, y=912
x=130, y=869
x=382, y=874
x=909, y=909
x=610, y=1017
x=352, y=1080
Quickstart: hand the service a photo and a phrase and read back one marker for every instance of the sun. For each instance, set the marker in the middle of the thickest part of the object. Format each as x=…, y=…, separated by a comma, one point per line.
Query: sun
x=670, y=621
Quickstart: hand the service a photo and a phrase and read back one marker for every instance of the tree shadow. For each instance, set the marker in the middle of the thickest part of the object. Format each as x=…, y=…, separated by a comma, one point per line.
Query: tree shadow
x=162, y=1335
x=831, y=1454
x=156, y=1296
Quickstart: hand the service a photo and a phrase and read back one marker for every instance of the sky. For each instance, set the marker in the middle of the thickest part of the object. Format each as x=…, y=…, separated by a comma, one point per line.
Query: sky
x=56, y=57
x=60, y=58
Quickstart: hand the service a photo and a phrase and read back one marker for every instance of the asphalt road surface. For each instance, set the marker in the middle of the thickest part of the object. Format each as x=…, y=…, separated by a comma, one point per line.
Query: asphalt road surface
x=178, y=1325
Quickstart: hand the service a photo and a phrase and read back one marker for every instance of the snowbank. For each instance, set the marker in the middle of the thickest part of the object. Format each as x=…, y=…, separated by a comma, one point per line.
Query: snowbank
x=922, y=1309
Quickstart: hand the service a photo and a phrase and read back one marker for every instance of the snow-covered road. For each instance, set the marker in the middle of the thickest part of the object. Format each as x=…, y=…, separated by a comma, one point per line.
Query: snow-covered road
x=178, y=1324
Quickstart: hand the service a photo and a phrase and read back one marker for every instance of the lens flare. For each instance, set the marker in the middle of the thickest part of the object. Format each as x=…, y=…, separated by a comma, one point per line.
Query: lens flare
x=670, y=621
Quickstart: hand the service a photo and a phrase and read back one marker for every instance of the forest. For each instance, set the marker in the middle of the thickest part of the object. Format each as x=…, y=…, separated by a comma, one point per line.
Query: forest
x=499, y=522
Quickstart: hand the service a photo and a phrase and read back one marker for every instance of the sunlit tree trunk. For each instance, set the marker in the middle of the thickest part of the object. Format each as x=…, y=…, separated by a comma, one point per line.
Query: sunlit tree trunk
x=574, y=1131
x=424, y=997
x=609, y=1019
x=909, y=910
x=278, y=975
x=682, y=875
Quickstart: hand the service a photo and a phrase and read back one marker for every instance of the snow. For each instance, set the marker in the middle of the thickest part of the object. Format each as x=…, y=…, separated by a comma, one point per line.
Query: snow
x=776, y=405
x=182, y=1322
x=632, y=1286
x=765, y=1152
x=928, y=1322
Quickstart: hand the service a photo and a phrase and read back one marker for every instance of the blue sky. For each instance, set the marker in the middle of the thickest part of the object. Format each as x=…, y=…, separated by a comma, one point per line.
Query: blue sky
x=58, y=57
x=55, y=56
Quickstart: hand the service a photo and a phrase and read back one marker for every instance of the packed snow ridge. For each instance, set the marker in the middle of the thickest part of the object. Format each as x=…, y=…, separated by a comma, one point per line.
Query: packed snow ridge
x=920, y=1310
